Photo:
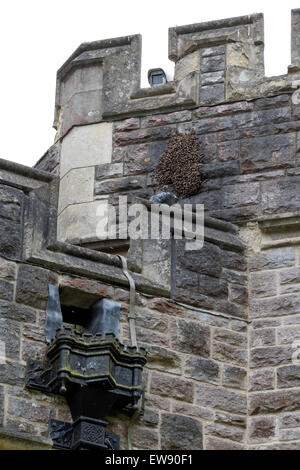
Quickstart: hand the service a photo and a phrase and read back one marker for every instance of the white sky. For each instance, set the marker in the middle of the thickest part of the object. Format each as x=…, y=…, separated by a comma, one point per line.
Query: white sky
x=37, y=36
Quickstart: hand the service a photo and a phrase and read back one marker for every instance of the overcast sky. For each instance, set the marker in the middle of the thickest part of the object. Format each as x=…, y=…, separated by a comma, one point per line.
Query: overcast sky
x=37, y=36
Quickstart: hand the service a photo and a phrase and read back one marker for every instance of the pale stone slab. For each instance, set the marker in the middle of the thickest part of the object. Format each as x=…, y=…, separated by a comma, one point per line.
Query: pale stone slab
x=76, y=186
x=84, y=146
x=84, y=220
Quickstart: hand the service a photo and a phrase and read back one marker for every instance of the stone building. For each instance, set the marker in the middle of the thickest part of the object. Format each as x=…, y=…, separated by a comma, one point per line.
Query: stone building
x=221, y=325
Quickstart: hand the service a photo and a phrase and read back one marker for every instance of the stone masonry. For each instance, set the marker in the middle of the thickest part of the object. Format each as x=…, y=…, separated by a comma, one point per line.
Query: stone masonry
x=222, y=324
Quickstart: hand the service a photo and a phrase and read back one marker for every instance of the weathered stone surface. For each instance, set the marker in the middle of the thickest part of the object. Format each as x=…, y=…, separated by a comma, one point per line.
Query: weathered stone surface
x=220, y=444
x=289, y=434
x=290, y=420
x=10, y=239
x=10, y=203
x=263, y=337
x=50, y=160
x=163, y=359
x=76, y=187
x=33, y=350
x=274, y=307
x=144, y=438
x=234, y=420
x=208, y=260
x=221, y=398
x=192, y=410
x=109, y=170
x=162, y=305
x=227, y=353
x=289, y=334
x=202, y=369
x=273, y=258
x=234, y=377
x=263, y=284
x=287, y=276
x=238, y=294
x=212, y=93
x=180, y=433
x=26, y=409
x=225, y=432
x=270, y=356
x=262, y=429
x=190, y=337
x=280, y=196
x=82, y=292
x=10, y=335
x=7, y=270
x=288, y=376
x=165, y=385
x=274, y=402
x=230, y=337
x=86, y=146
x=127, y=124
x=241, y=195
x=12, y=373
x=12, y=311
x=262, y=379
x=163, y=119
x=267, y=152
x=32, y=286
x=6, y=290
x=212, y=63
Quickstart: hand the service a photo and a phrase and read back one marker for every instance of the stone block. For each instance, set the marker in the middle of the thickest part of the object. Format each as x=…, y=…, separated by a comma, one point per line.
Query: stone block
x=10, y=239
x=289, y=334
x=12, y=373
x=280, y=195
x=270, y=356
x=274, y=402
x=127, y=125
x=87, y=220
x=164, y=119
x=7, y=270
x=221, y=398
x=85, y=146
x=241, y=194
x=262, y=379
x=6, y=290
x=203, y=370
x=232, y=420
x=168, y=386
x=180, y=433
x=212, y=93
x=29, y=410
x=32, y=286
x=190, y=337
x=290, y=420
x=144, y=438
x=178, y=407
x=262, y=429
x=230, y=337
x=219, y=444
x=263, y=337
x=225, y=432
x=230, y=354
x=275, y=151
x=273, y=258
x=212, y=63
x=263, y=284
x=276, y=306
x=234, y=377
x=288, y=376
x=10, y=335
x=77, y=186
x=20, y=313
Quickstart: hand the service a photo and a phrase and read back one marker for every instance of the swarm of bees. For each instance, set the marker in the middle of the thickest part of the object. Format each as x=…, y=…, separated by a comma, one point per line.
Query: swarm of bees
x=180, y=166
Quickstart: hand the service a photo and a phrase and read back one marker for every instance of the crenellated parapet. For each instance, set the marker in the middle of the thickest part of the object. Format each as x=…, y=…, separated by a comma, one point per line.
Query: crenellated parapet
x=215, y=61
